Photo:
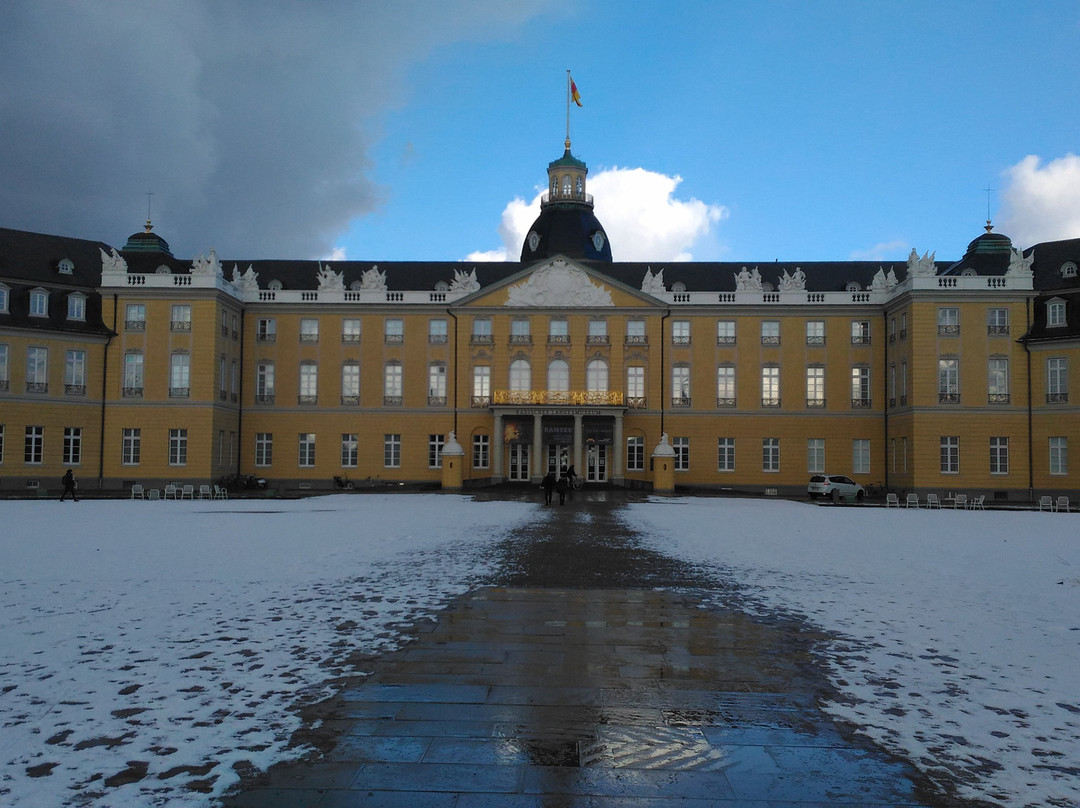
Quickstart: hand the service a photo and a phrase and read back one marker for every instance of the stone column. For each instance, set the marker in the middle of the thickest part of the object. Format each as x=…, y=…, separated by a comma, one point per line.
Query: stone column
x=616, y=461
x=537, y=463
x=578, y=467
x=497, y=449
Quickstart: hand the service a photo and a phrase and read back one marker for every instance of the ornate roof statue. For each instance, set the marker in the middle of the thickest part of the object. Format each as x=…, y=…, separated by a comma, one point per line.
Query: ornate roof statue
x=373, y=280
x=558, y=284
x=113, y=264
x=793, y=283
x=747, y=280
x=464, y=282
x=328, y=279
x=653, y=284
x=207, y=266
x=1018, y=265
x=921, y=267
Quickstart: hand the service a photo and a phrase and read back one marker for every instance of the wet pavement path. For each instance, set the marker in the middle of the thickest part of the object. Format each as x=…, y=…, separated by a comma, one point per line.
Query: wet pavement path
x=575, y=680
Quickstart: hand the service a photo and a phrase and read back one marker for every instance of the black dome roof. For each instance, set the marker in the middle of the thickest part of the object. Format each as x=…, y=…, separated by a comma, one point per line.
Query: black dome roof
x=147, y=241
x=569, y=230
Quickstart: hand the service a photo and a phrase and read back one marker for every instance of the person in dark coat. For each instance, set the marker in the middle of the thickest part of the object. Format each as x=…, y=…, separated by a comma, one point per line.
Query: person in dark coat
x=562, y=486
x=68, y=481
x=548, y=485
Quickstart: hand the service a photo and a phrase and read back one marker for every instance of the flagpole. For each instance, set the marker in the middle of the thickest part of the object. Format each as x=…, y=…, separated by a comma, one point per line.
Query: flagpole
x=568, y=107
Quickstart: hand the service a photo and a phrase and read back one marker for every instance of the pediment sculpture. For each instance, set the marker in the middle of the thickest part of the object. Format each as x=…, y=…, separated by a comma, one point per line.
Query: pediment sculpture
x=113, y=264
x=794, y=282
x=328, y=279
x=748, y=280
x=464, y=281
x=653, y=284
x=558, y=284
x=1018, y=265
x=209, y=267
x=373, y=280
x=921, y=267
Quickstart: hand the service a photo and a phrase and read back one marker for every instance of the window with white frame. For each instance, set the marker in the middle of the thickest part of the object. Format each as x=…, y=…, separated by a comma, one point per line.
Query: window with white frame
x=131, y=447
x=596, y=376
x=5, y=296
x=75, y=372
x=264, y=382
x=997, y=376
x=860, y=456
x=520, y=331
x=481, y=451
x=309, y=382
x=309, y=329
x=520, y=375
x=948, y=321
x=815, y=332
x=635, y=332
x=635, y=453
x=37, y=369
x=481, y=331
x=437, y=331
x=1059, y=455
x=39, y=303
x=1057, y=380
x=770, y=454
x=180, y=317
x=1055, y=314
x=725, y=385
x=437, y=384
x=680, y=332
x=680, y=386
x=434, y=451
x=999, y=455
x=815, y=386
x=770, y=386
x=725, y=332
x=72, y=445
x=860, y=332
x=5, y=367
x=350, y=330
x=997, y=321
x=948, y=380
x=558, y=376
x=725, y=454
x=223, y=364
x=306, y=450
x=180, y=375
x=350, y=450
x=266, y=329
x=178, y=439
x=392, y=451
x=264, y=448
x=682, y=453
x=350, y=382
x=815, y=455
x=393, y=383
x=860, y=387
x=481, y=395
x=558, y=331
x=1, y=443
x=597, y=332
x=635, y=385
x=76, y=306
x=770, y=332
x=950, y=454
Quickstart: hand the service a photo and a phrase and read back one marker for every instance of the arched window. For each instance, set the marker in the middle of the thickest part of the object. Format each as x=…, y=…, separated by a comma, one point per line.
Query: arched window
x=558, y=380
x=520, y=375
x=566, y=186
x=596, y=376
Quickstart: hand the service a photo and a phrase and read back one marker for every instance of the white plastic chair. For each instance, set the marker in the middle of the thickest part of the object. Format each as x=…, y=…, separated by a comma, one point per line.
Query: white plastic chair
x=1062, y=504
x=220, y=493
x=892, y=500
x=187, y=492
x=171, y=491
x=932, y=501
x=136, y=492
x=1046, y=503
x=960, y=502
x=978, y=503
x=153, y=493
x=204, y=492
x=912, y=501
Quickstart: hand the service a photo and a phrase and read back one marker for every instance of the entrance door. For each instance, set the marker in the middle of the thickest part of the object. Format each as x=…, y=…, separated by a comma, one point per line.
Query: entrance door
x=596, y=463
x=519, y=462
x=558, y=457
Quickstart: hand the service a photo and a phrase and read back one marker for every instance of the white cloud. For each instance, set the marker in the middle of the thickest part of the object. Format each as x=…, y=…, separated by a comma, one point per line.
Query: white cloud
x=882, y=251
x=1041, y=203
x=643, y=219
x=337, y=254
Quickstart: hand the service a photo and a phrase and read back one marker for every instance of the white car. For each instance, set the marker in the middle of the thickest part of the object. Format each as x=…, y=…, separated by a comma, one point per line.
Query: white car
x=834, y=486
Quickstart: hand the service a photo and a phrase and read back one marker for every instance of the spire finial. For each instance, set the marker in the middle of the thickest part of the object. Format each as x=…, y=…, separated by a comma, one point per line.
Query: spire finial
x=989, y=191
x=148, y=226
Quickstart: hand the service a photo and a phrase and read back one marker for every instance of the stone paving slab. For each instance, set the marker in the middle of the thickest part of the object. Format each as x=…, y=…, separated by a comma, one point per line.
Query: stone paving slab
x=524, y=696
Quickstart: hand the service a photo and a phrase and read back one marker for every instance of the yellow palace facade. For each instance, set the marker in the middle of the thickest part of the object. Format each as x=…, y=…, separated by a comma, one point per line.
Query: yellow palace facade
x=133, y=366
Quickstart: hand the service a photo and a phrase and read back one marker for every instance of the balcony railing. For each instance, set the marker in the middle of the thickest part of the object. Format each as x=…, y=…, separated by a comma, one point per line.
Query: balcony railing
x=558, y=339
x=180, y=325
x=480, y=401
x=571, y=397
x=394, y=339
x=815, y=340
x=436, y=401
x=998, y=398
x=179, y=392
x=770, y=402
x=392, y=401
x=37, y=387
x=725, y=402
x=436, y=339
x=521, y=339
x=1057, y=398
x=680, y=401
x=815, y=403
x=860, y=404
x=860, y=339
x=4, y=384
x=948, y=398
x=636, y=339
x=350, y=401
x=948, y=330
x=309, y=337
x=636, y=402
x=481, y=339
x=997, y=330
x=75, y=389
x=269, y=337
x=134, y=325
x=596, y=339
x=302, y=399
x=770, y=340
x=350, y=338
x=264, y=398
x=132, y=392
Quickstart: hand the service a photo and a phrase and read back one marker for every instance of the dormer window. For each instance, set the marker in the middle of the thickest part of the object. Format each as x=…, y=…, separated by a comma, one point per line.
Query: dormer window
x=39, y=303
x=65, y=267
x=5, y=294
x=1068, y=270
x=678, y=286
x=853, y=286
x=968, y=272
x=1055, y=314
x=274, y=286
x=76, y=309
x=442, y=286
x=163, y=270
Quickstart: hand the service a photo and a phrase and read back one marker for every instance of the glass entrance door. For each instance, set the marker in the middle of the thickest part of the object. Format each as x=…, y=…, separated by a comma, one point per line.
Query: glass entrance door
x=558, y=457
x=519, y=462
x=596, y=463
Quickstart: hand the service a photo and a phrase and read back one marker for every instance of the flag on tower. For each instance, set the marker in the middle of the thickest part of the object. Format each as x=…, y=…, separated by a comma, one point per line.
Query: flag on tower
x=574, y=93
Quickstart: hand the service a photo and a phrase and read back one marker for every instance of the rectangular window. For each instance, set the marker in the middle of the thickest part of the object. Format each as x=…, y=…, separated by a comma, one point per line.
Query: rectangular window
x=860, y=387
x=37, y=370
x=481, y=394
x=72, y=445
x=903, y=325
x=815, y=332
x=309, y=383
x=860, y=332
x=350, y=450
x=815, y=386
x=481, y=451
x=519, y=331
x=948, y=381
x=264, y=383
x=437, y=384
x=392, y=451
x=635, y=332
x=5, y=378
x=770, y=386
x=394, y=331
x=815, y=455
x=131, y=448
x=1059, y=455
x=437, y=331
x=34, y=445
x=180, y=375
x=133, y=374
x=997, y=374
x=350, y=330
x=1, y=443
x=999, y=455
x=558, y=331
x=135, y=317
x=266, y=329
x=222, y=365
x=948, y=322
x=725, y=386
x=725, y=454
x=635, y=382
x=350, y=383
x=997, y=322
x=680, y=332
x=950, y=454
x=309, y=329
x=680, y=386
x=177, y=447
x=903, y=381
x=635, y=453
x=76, y=307
x=481, y=331
x=770, y=332
x=892, y=330
x=682, y=453
x=597, y=333
x=770, y=454
x=180, y=317
x=434, y=451
x=306, y=450
x=1057, y=381
x=392, y=383
x=860, y=456
x=725, y=332
x=264, y=448
x=39, y=304
x=75, y=373
x=1055, y=314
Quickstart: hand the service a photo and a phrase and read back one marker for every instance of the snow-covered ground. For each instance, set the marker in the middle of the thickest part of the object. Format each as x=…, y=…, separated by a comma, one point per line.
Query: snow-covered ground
x=147, y=647
x=962, y=649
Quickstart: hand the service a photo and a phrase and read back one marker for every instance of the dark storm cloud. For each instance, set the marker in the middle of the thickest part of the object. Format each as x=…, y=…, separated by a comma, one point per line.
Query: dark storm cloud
x=250, y=121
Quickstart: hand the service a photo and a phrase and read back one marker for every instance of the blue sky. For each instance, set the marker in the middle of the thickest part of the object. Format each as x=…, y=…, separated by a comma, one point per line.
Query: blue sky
x=421, y=130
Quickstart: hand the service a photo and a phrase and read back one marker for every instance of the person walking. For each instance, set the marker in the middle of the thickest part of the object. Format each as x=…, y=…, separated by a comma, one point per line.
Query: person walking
x=548, y=484
x=562, y=486
x=68, y=481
